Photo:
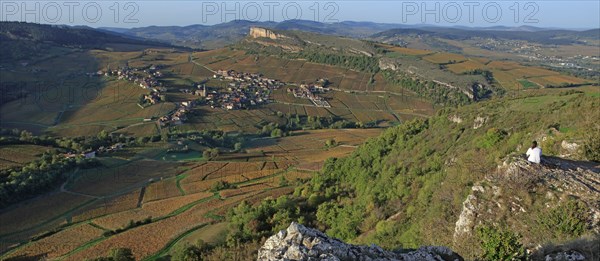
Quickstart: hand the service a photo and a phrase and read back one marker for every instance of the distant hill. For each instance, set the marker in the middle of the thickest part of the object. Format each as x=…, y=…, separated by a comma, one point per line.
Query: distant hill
x=62, y=35
x=220, y=35
x=531, y=34
x=22, y=40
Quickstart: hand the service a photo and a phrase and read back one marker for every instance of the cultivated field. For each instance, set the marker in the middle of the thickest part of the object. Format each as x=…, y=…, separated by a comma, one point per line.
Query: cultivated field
x=19, y=155
x=444, y=58
x=175, y=200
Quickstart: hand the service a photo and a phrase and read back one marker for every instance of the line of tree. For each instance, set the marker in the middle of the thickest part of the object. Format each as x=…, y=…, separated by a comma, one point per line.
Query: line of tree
x=356, y=62
x=297, y=122
x=39, y=176
x=437, y=93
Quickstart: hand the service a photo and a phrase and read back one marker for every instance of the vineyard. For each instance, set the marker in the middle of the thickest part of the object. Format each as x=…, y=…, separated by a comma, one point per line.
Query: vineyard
x=125, y=200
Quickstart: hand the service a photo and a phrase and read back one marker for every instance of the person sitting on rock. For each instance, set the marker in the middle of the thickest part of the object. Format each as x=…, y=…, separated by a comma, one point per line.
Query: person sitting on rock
x=534, y=154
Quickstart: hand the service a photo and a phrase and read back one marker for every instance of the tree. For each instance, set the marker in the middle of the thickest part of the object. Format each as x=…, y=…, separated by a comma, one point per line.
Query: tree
x=276, y=133
x=237, y=146
x=500, y=244
x=122, y=254
x=330, y=143
x=102, y=135
x=210, y=153
x=188, y=252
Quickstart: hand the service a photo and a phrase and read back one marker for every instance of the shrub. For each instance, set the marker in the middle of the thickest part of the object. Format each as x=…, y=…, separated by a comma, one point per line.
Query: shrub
x=221, y=185
x=122, y=254
x=491, y=138
x=500, y=244
x=591, y=145
x=567, y=220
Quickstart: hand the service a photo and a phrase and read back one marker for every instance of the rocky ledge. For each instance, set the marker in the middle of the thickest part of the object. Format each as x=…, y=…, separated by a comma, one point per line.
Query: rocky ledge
x=298, y=242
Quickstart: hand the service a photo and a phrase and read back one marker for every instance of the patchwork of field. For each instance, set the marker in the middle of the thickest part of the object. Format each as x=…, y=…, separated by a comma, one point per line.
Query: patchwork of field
x=174, y=201
x=509, y=74
x=514, y=76
x=292, y=71
x=68, y=103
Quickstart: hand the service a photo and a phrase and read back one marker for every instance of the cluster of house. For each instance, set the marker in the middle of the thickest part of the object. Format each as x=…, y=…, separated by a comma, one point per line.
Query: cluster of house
x=179, y=115
x=145, y=78
x=244, y=91
x=92, y=153
x=310, y=92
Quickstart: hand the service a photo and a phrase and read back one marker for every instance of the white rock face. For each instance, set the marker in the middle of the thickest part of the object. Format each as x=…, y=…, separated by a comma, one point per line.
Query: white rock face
x=455, y=119
x=479, y=122
x=569, y=148
x=301, y=243
x=386, y=63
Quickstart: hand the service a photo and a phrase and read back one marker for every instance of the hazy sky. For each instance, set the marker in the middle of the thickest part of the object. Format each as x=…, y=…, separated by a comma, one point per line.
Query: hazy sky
x=564, y=14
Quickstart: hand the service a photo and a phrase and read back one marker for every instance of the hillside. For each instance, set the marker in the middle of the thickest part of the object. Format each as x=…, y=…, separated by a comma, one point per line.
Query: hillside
x=395, y=188
x=221, y=35
x=210, y=155
x=444, y=78
x=24, y=40
x=558, y=37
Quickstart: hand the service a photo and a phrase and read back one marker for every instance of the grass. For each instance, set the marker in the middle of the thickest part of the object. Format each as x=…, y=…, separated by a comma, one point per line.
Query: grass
x=527, y=84
x=179, y=178
x=212, y=234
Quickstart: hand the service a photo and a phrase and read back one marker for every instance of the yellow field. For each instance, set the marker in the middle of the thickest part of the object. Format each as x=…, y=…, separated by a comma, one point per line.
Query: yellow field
x=409, y=51
x=443, y=58
x=105, y=207
x=466, y=66
x=507, y=80
x=163, y=189
x=503, y=65
x=528, y=72
x=557, y=80
x=59, y=244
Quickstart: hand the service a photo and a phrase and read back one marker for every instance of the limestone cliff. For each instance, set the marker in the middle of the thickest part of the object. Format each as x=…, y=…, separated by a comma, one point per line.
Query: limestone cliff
x=301, y=243
x=257, y=32
x=267, y=37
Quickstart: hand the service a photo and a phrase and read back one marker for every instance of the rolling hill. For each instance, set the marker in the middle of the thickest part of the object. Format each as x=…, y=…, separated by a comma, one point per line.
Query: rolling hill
x=24, y=40
x=536, y=35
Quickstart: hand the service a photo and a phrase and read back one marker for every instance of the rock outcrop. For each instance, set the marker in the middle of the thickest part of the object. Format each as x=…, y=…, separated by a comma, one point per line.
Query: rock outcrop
x=555, y=180
x=298, y=242
x=257, y=32
x=268, y=37
x=386, y=63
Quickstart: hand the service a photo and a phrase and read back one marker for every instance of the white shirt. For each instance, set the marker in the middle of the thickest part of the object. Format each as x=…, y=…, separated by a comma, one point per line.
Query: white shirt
x=534, y=154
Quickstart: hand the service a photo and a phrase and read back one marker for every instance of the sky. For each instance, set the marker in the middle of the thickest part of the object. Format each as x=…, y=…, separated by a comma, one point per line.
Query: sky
x=128, y=14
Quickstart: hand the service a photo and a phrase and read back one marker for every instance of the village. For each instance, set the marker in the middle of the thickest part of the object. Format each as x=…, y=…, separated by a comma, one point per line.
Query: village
x=149, y=79
x=90, y=154
x=310, y=91
x=243, y=91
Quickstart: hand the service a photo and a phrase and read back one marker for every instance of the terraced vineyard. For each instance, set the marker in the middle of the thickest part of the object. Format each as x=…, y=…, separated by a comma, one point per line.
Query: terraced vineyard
x=114, y=205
